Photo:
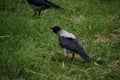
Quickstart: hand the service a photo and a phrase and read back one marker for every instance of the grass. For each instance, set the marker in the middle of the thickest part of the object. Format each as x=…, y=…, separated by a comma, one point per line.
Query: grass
x=30, y=51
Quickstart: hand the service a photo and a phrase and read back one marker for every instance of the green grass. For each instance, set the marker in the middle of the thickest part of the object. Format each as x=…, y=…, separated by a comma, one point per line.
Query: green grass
x=30, y=51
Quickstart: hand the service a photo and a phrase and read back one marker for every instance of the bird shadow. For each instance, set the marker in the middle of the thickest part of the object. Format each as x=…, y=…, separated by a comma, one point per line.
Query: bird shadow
x=76, y=61
x=61, y=58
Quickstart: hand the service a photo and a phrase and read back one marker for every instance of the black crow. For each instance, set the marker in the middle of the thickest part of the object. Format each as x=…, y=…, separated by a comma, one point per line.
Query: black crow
x=39, y=5
x=69, y=42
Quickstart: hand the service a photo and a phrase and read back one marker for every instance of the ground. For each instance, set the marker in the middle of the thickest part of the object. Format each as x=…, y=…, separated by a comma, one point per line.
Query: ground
x=30, y=51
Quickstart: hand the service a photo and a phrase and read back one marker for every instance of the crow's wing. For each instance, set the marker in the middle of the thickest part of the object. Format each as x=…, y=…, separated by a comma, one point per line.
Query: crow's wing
x=42, y=3
x=38, y=2
x=73, y=45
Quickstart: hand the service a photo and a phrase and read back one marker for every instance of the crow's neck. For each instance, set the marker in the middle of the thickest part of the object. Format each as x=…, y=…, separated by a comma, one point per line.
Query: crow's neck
x=63, y=33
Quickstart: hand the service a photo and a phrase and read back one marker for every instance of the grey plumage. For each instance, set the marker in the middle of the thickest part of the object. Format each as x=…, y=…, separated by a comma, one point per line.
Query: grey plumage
x=39, y=5
x=70, y=43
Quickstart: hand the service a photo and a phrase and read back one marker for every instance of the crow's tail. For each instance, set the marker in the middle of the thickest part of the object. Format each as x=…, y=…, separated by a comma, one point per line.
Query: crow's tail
x=55, y=6
x=84, y=55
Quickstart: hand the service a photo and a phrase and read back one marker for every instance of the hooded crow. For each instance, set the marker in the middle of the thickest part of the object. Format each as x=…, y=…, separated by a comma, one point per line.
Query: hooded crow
x=39, y=5
x=69, y=42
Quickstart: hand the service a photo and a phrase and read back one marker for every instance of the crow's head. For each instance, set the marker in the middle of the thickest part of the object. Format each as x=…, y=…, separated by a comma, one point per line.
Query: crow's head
x=56, y=29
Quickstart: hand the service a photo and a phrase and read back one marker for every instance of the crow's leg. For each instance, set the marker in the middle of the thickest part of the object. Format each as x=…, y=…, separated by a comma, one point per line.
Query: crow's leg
x=35, y=13
x=39, y=12
x=65, y=52
x=73, y=55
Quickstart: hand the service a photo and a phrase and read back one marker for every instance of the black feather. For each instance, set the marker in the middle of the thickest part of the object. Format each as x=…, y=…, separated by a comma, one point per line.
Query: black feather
x=39, y=5
x=74, y=46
